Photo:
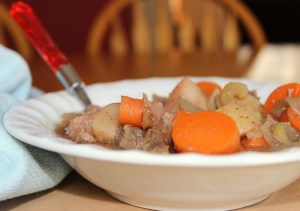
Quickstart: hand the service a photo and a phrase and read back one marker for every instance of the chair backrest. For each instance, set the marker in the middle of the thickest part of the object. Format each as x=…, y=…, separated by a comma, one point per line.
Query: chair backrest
x=159, y=26
x=11, y=35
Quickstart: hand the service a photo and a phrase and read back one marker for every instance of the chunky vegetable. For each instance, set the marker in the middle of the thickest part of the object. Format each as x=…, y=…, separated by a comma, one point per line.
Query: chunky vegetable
x=131, y=111
x=294, y=118
x=245, y=121
x=187, y=90
x=251, y=105
x=206, y=132
x=284, y=116
x=284, y=132
x=106, y=123
x=208, y=87
x=255, y=144
x=287, y=90
x=179, y=115
x=232, y=91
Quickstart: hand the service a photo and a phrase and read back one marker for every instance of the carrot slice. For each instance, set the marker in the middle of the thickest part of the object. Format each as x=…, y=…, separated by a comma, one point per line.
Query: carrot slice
x=208, y=87
x=255, y=144
x=284, y=116
x=131, y=111
x=287, y=90
x=206, y=132
x=294, y=118
x=179, y=115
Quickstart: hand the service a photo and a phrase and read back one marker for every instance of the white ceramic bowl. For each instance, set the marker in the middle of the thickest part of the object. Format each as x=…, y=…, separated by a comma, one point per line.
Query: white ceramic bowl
x=160, y=182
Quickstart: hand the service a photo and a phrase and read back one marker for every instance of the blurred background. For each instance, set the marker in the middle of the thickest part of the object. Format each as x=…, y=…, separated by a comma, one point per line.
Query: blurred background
x=69, y=21
x=256, y=39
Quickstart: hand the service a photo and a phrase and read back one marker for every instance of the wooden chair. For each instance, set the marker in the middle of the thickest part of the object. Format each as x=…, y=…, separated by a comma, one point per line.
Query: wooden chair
x=11, y=35
x=156, y=27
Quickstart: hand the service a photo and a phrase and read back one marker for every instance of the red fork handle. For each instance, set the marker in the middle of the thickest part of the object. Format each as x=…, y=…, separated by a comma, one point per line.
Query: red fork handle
x=56, y=60
x=38, y=36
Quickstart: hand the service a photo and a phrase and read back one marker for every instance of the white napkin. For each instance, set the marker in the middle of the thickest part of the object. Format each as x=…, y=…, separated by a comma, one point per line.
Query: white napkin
x=24, y=169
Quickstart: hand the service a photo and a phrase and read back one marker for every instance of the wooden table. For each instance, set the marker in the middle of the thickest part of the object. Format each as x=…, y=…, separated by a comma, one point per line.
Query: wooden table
x=75, y=193
x=105, y=68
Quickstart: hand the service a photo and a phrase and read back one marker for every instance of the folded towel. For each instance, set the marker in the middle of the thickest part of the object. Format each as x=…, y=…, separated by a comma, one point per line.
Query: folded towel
x=15, y=78
x=24, y=169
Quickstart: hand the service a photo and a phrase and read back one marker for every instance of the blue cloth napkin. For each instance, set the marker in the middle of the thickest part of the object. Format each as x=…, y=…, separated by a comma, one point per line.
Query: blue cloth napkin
x=24, y=169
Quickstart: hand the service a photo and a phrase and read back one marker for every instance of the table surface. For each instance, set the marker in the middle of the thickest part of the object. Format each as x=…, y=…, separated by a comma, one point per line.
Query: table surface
x=75, y=193
x=112, y=68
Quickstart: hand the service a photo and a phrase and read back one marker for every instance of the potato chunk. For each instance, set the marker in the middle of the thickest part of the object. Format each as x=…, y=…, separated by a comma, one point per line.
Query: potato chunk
x=245, y=121
x=189, y=91
x=106, y=123
x=251, y=104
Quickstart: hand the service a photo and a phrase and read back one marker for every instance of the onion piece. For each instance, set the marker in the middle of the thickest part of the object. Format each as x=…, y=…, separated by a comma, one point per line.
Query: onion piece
x=267, y=131
x=294, y=103
x=279, y=107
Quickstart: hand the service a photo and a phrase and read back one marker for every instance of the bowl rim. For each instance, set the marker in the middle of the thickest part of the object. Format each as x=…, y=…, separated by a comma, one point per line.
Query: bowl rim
x=26, y=131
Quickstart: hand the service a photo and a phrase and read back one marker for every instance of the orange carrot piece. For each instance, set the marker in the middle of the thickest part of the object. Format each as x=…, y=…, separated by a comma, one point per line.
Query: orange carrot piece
x=294, y=118
x=131, y=111
x=207, y=132
x=255, y=144
x=179, y=115
x=208, y=87
x=284, y=116
x=287, y=90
